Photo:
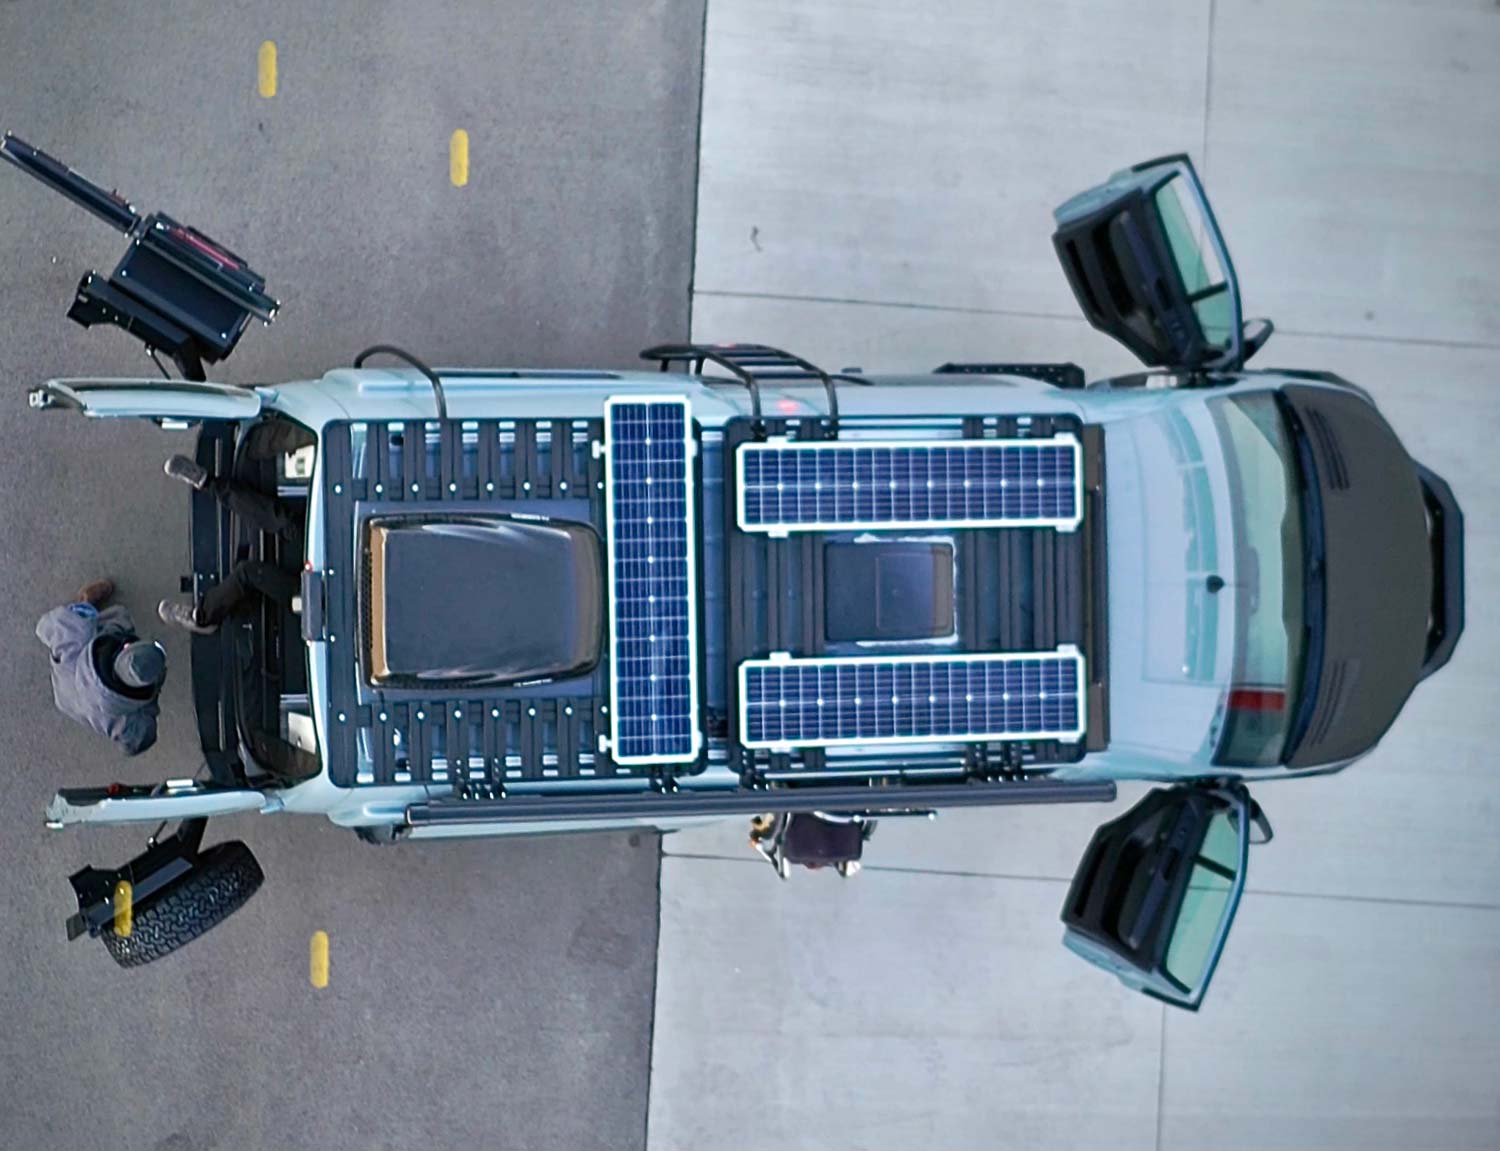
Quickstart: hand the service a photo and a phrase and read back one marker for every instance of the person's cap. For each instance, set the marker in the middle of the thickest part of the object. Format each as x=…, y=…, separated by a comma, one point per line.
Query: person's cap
x=141, y=664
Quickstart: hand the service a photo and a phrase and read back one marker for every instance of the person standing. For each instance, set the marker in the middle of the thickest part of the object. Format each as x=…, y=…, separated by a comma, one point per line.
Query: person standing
x=104, y=675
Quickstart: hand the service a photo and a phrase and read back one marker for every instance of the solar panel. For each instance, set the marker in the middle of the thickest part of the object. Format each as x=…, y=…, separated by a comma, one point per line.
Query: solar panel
x=648, y=496
x=843, y=485
x=912, y=699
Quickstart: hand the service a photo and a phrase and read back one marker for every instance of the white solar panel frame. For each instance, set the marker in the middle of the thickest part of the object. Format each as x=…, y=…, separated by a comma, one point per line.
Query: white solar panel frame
x=1059, y=523
x=689, y=448
x=1064, y=651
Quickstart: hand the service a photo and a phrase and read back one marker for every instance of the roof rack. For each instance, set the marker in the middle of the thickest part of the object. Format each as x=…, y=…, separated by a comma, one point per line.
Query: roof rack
x=752, y=364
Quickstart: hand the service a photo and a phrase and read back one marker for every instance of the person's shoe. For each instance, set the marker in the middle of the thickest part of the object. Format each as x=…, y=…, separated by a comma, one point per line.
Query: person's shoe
x=96, y=592
x=181, y=615
x=188, y=470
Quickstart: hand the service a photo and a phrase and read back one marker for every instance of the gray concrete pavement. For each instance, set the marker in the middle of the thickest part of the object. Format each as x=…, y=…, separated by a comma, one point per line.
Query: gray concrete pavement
x=482, y=995
x=877, y=180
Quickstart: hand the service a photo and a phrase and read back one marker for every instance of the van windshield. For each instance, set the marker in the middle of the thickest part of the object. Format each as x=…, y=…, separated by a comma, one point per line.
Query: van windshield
x=1269, y=629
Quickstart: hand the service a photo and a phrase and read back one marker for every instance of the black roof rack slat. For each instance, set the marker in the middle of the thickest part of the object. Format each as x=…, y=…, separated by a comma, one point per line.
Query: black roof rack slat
x=450, y=459
x=379, y=465
x=432, y=476
x=382, y=751
x=454, y=742
x=577, y=458
x=531, y=743
x=485, y=461
x=525, y=458
x=567, y=759
x=562, y=455
x=413, y=459
x=541, y=468
x=420, y=748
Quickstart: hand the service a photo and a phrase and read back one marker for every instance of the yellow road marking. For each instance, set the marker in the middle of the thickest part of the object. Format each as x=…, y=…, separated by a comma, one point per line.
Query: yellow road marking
x=124, y=912
x=265, y=69
x=318, y=966
x=458, y=158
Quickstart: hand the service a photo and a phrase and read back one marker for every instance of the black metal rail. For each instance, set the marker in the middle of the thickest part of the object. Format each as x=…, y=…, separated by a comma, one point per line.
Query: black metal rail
x=842, y=799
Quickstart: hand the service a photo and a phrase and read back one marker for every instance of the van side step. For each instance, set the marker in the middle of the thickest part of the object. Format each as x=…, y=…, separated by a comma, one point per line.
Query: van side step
x=658, y=805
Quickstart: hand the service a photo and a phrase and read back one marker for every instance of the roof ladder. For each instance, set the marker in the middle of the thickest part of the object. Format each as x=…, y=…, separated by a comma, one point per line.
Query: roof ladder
x=752, y=365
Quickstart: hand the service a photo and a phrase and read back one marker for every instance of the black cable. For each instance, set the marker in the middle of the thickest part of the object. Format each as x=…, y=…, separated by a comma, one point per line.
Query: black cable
x=432, y=377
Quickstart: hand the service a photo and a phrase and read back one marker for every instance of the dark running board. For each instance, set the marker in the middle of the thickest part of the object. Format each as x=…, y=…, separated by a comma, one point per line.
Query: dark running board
x=682, y=804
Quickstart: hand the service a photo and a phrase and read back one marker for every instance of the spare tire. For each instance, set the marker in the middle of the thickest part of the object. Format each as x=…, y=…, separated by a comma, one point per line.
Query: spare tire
x=222, y=879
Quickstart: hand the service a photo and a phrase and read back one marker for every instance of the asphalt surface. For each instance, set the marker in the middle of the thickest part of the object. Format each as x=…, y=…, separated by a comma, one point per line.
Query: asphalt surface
x=488, y=994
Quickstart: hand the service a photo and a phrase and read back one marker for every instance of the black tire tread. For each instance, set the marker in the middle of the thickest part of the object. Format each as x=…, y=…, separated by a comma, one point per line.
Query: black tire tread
x=382, y=836
x=226, y=876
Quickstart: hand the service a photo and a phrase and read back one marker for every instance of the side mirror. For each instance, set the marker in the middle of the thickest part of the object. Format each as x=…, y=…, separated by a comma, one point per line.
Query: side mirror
x=1254, y=335
x=1155, y=895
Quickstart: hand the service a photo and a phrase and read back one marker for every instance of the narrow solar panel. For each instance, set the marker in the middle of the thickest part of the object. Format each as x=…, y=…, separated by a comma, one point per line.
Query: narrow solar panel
x=913, y=699
x=648, y=495
x=846, y=485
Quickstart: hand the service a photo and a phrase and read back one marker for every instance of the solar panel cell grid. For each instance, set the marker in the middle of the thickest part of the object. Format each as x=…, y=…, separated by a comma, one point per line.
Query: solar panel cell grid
x=650, y=522
x=822, y=702
x=785, y=487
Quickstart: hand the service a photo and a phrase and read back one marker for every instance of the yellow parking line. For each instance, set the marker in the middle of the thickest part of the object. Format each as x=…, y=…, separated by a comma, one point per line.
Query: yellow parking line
x=318, y=966
x=265, y=68
x=124, y=909
x=458, y=158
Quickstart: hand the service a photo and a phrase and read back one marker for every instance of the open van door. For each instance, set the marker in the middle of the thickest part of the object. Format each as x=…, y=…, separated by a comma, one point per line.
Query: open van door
x=1145, y=258
x=1156, y=892
x=178, y=400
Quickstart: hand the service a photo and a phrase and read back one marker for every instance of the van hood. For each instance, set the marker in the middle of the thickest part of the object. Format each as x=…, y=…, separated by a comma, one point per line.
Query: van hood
x=1377, y=575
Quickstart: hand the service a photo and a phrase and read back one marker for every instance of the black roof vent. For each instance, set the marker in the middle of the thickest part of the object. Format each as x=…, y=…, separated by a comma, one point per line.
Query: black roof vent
x=1330, y=454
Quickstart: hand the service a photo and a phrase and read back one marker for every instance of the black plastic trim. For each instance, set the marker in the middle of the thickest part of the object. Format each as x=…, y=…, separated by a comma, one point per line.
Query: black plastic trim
x=1447, y=570
x=1067, y=375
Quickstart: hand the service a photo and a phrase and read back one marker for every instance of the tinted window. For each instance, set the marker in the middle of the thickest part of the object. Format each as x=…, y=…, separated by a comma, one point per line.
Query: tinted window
x=1203, y=906
x=1182, y=218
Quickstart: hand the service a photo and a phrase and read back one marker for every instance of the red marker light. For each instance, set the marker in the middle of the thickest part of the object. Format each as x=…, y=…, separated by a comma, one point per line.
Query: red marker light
x=1257, y=699
x=208, y=249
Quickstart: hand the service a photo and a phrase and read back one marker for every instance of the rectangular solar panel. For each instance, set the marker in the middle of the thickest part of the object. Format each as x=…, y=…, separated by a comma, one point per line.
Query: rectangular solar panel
x=822, y=702
x=848, y=485
x=650, y=524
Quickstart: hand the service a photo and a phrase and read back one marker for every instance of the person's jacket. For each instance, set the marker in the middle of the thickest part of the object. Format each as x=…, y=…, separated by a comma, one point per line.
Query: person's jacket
x=83, y=648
